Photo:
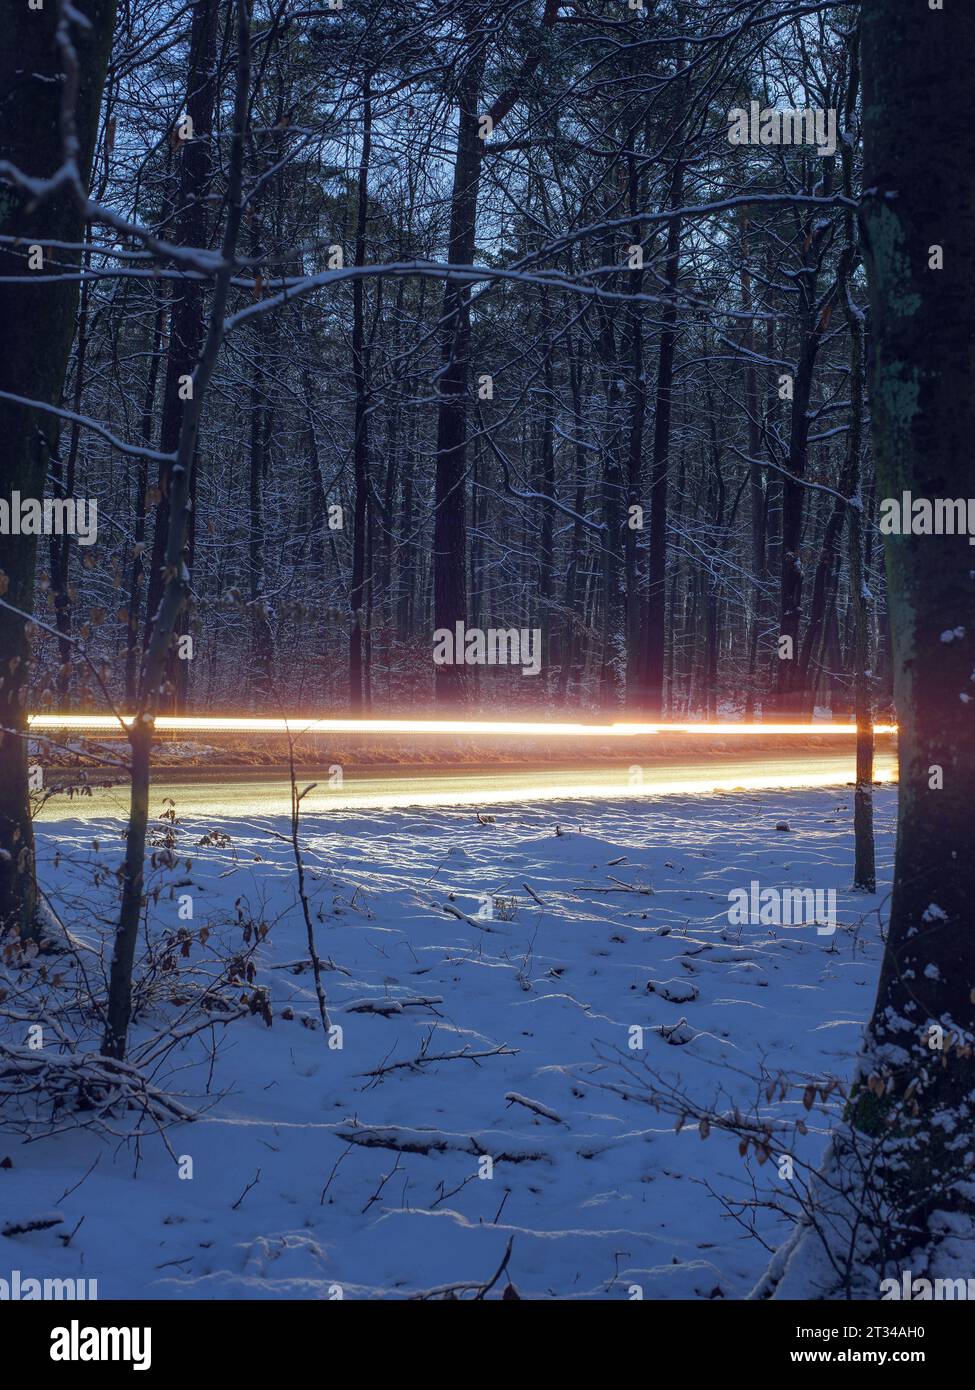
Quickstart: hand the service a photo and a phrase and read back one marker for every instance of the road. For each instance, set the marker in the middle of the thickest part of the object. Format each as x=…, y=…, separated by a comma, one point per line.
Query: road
x=236, y=794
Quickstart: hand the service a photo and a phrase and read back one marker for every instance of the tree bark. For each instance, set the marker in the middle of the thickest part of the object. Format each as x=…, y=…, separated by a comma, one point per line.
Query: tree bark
x=655, y=628
x=864, y=866
x=35, y=340
x=140, y=487
x=921, y=193
x=360, y=440
x=903, y=1150
x=187, y=317
x=450, y=500
x=637, y=390
x=450, y=494
x=176, y=589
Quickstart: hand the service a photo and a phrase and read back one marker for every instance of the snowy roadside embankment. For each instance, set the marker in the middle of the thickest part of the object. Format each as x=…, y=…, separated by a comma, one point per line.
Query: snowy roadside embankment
x=493, y=978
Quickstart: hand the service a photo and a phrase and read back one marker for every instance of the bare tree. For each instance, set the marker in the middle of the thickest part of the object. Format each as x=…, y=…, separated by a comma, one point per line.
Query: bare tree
x=52, y=70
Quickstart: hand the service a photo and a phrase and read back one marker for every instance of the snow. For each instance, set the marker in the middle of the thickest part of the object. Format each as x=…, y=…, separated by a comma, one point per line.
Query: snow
x=487, y=1088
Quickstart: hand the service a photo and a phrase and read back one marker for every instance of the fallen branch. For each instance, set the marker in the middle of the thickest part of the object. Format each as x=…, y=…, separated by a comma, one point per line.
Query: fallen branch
x=513, y=1098
x=32, y=1223
x=389, y=1007
x=424, y=1059
x=37, y=1091
x=478, y=922
x=430, y=1141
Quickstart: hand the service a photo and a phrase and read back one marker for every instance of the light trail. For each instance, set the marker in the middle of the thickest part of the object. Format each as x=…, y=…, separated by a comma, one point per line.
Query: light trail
x=584, y=791
x=231, y=724
x=253, y=797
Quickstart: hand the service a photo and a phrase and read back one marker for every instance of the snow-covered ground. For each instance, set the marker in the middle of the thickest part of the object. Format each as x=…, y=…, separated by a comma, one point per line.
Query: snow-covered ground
x=360, y=1171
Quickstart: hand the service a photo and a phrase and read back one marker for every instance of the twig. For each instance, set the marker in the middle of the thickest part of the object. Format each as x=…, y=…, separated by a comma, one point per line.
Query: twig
x=382, y=1183
x=68, y=1190
x=335, y=1168
x=253, y=1183
x=296, y=799
x=486, y=1288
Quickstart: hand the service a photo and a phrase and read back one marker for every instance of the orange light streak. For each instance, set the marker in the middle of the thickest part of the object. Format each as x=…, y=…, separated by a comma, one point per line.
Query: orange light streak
x=193, y=724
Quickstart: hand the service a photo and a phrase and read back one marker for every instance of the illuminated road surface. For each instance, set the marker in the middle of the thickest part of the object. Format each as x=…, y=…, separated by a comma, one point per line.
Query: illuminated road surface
x=242, y=795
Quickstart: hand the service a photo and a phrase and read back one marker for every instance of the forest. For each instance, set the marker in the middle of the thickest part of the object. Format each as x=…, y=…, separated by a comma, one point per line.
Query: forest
x=552, y=377
x=635, y=424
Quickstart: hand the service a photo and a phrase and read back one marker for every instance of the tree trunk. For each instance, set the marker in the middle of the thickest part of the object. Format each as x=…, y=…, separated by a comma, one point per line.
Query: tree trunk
x=637, y=389
x=360, y=439
x=176, y=589
x=756, y=481
x=261, y=635
x=923, y=410
x=546, y=485
x=789, y=695
x=141, y=484
x=904, y=1152
x=574, y=609
x=64, y=486
x=864, y=867
x=35, y=339
x=187, y=317
x=613, y=495
x=450, y=523
x=655, y=628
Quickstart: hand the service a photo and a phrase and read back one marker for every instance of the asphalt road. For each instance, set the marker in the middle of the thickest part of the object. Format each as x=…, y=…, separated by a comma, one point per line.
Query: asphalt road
x=230, y=794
